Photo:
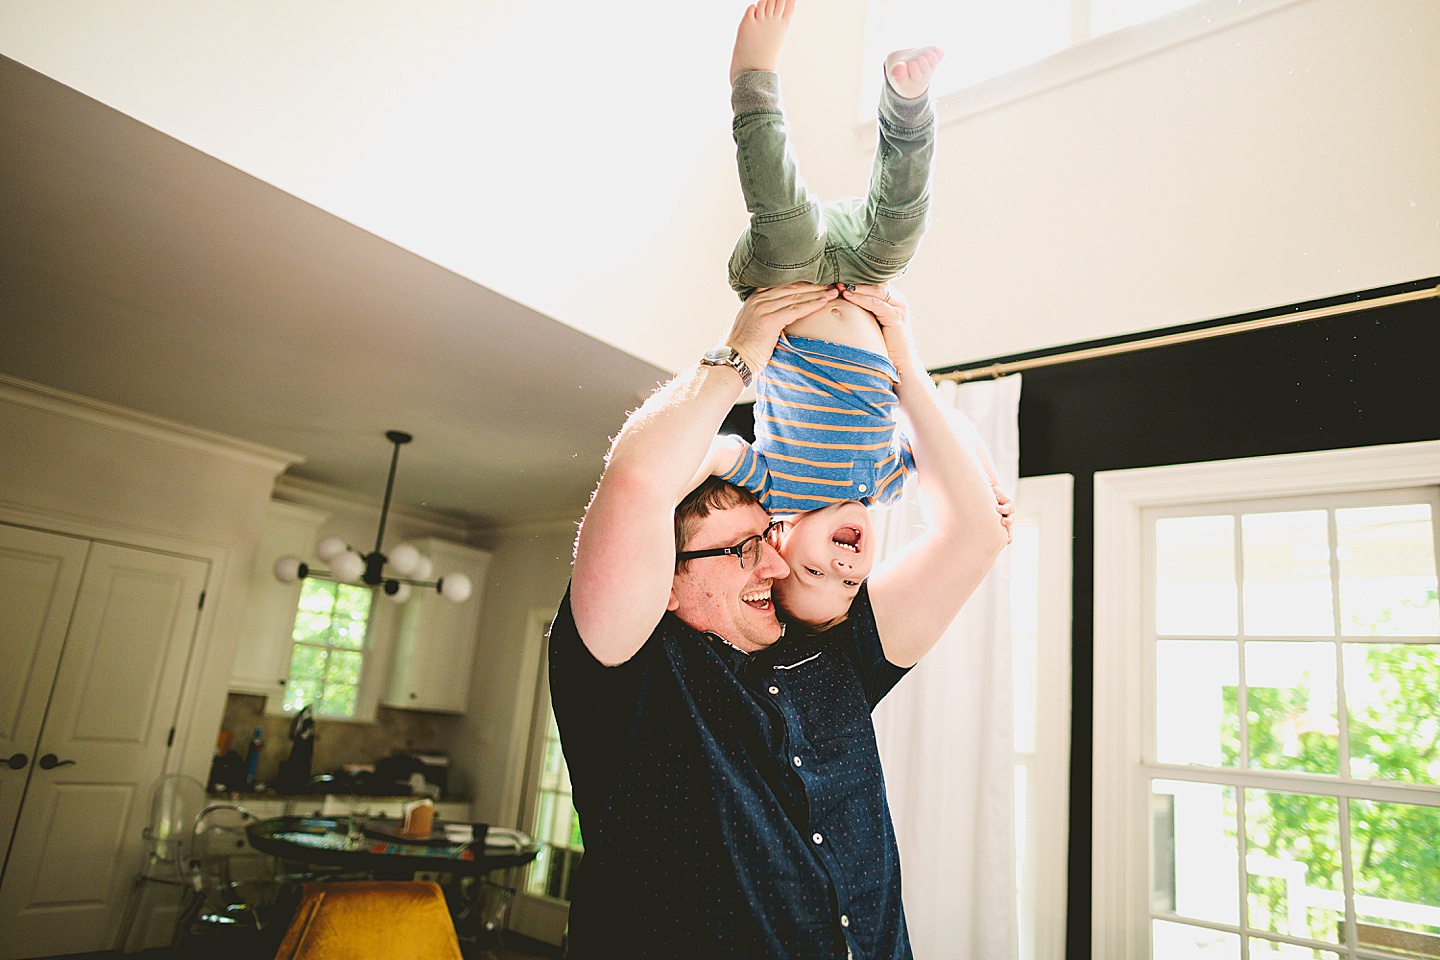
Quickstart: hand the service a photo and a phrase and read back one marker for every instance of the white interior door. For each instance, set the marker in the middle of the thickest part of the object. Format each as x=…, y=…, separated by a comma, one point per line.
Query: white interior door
x=39, y=578
x=78, y=840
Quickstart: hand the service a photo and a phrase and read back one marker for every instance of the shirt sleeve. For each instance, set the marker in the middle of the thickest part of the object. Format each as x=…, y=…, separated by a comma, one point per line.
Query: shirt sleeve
x=863, y=647
x=595, y=709
x=751, y=473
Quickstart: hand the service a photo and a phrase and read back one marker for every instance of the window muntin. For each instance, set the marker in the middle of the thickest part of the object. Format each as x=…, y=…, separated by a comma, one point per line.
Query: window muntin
x=328, y=653
x=1334, y=674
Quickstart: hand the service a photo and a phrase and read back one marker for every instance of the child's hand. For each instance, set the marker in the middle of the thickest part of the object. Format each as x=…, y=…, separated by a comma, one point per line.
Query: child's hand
x=1006, y=508
x=889, y=305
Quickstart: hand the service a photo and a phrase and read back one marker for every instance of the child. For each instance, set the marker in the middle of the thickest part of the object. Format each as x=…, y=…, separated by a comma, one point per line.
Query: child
x=826, y=441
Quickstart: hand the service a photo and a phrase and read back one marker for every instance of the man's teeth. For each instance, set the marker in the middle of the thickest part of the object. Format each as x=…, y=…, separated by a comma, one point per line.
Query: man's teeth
x=762, y=596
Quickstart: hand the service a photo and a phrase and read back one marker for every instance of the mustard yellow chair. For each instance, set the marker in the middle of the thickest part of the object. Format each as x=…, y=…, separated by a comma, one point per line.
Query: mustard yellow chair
x=371, y=920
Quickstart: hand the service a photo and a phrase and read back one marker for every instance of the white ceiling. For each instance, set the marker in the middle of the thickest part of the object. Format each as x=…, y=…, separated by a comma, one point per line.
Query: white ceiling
x=136, y=270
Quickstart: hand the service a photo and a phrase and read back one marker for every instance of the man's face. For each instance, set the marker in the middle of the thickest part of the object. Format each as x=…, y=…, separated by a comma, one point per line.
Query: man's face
x=715, y=595
x=829, y=552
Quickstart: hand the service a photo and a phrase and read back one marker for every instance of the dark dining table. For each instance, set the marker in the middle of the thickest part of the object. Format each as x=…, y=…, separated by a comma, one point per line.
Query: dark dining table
x=376, y=851
x=381, y=852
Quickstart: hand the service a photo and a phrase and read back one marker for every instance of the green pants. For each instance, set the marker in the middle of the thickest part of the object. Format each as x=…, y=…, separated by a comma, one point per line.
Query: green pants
x=792, y=237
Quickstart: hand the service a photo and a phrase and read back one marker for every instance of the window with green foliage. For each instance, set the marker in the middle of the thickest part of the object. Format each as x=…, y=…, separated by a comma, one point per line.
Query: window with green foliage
x=1295, y=779
x=328, y=655
x=557, y=826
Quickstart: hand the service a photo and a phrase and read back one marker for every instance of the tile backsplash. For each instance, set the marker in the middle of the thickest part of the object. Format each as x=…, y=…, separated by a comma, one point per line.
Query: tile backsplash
x=336, y=742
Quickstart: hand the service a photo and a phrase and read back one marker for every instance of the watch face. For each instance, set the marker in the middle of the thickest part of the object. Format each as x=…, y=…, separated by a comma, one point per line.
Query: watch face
x=720, y=354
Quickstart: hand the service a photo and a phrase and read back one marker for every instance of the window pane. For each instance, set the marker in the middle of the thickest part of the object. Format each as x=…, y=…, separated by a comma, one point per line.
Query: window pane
x=1287, y=574
x=1293, y=864
x=1387, y=571
x=1396, y=862
x=1178, y=941
x=338, y=700
x=307, y=662
x=1390, y=696
x=1270, y=950
x=1195, y=865
x=1196, y=719
x=1195, y=576
x=1291, y=713
x=343, y=667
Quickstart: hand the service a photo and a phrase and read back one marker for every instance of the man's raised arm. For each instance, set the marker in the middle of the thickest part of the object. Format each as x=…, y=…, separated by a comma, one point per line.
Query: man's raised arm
x=625, y=553
x=918, y=593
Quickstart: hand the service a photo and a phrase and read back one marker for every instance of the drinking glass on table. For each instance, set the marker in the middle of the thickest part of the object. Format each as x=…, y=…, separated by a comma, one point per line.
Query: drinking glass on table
x=355, y=829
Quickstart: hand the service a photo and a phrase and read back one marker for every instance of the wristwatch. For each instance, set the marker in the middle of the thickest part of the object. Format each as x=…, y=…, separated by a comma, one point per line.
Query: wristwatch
x=726, y=356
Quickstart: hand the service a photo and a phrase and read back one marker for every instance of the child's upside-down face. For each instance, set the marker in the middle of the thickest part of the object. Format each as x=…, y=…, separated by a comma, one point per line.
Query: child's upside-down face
x=829, y=552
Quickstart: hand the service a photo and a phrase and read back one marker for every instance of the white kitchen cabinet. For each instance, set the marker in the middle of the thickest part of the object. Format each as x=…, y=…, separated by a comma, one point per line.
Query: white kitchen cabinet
x=262, y=658
x=435, y=646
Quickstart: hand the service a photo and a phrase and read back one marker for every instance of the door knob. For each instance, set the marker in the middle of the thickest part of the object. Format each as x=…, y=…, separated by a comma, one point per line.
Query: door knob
x=50, y=762
x=16, y=762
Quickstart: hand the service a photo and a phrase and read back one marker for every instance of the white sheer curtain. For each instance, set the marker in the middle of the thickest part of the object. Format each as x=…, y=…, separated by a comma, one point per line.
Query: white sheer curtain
x=947, y=741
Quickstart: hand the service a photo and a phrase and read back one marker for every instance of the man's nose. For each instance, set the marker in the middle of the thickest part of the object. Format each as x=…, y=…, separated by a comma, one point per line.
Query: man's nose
x=771, y=563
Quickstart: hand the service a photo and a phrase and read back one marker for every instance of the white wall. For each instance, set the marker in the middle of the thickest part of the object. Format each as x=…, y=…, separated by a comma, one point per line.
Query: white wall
x=488, y=745
x=1287, y=158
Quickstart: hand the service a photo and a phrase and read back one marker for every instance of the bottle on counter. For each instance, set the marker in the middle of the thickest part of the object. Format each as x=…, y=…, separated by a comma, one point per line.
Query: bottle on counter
x=252, y=757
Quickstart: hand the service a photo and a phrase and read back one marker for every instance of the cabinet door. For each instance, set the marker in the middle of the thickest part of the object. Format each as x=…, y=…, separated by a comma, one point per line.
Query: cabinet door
x=78, y=840
x=39, y=578
x=262, y=658
x=435, y=648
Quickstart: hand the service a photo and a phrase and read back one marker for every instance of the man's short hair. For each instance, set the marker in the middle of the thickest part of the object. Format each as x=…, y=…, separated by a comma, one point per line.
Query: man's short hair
x=712, y=494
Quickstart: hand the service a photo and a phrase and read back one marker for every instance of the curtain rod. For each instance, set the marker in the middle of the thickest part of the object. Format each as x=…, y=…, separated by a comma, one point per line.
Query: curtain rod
x=997, y=370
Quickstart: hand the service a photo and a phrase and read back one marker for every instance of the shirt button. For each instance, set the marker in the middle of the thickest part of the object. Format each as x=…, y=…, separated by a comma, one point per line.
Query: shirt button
x=797, y=763
x=774, y=689
x=817, y=838
x=844, y=920
x=861, y=488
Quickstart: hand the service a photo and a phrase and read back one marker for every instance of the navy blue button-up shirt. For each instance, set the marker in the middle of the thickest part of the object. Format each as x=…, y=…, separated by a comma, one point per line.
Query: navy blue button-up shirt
x=732, y=805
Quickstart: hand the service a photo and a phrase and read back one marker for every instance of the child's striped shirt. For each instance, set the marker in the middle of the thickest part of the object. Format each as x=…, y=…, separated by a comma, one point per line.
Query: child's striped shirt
x=824, y=429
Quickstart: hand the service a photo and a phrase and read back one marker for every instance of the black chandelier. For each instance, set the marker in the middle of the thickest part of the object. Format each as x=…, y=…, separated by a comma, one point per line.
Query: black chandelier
x=408, y=567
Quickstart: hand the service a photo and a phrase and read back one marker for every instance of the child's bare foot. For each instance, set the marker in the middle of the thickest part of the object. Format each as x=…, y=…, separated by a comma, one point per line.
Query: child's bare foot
x=761, y=36
x=909, y=70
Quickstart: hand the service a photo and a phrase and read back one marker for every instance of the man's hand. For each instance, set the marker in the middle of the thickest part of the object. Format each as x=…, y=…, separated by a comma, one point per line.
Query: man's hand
x=767, y=312
x=889, y=305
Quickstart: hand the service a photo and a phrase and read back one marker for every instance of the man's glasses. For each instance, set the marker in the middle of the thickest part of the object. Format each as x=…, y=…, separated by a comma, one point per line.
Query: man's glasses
x=748, y=550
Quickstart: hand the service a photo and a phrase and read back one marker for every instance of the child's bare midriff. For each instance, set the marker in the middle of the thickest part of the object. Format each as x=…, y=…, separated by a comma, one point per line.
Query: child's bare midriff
x=840, y=321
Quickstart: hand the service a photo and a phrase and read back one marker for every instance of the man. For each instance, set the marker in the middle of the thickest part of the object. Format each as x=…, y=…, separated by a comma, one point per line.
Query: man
x=725, y=772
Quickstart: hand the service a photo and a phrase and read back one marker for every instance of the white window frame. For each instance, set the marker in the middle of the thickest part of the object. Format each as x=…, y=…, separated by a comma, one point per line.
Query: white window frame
x=1086, y=56
x=1120, y=870
x=1048, y=504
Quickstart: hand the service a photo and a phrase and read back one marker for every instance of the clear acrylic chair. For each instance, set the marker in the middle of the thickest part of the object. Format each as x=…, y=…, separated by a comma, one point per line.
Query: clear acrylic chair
x=175, y=801
x=232, y=884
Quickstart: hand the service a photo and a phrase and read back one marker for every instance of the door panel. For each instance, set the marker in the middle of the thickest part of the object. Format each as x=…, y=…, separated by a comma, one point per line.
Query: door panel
x=39, y=579
x=72, y=836
x=78, y=840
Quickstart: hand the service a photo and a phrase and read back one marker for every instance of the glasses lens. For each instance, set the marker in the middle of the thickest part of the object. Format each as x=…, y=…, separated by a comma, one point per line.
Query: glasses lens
x=750, y=552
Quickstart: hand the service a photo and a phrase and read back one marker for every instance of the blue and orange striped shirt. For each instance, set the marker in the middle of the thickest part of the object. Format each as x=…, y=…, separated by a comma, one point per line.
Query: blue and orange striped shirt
x=824, y=429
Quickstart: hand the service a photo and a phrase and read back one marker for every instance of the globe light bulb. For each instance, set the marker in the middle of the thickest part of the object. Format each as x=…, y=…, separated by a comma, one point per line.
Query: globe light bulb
x=330, y=547
x=404, y=559
x=454, y=587
x=400, y=594
x=290, y=569
x=347, y=566
x=423, y=569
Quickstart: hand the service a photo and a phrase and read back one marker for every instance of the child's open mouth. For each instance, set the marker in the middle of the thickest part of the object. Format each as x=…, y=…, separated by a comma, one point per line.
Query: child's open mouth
x=847, y=538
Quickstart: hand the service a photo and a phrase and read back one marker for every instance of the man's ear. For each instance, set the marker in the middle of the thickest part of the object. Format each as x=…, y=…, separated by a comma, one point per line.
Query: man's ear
x=673, y=603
